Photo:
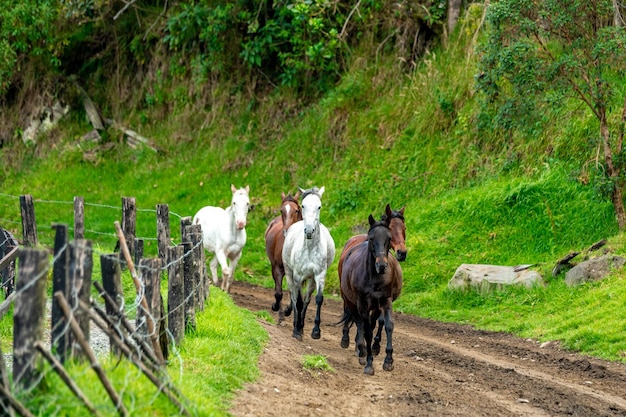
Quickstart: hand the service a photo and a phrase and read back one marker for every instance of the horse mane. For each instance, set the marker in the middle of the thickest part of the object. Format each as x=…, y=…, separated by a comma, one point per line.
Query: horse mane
x=394, y=215
x=314, y=190
x=291, y=199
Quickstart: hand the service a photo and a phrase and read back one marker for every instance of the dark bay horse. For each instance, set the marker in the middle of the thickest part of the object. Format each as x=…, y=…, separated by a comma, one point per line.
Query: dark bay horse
x=370, y=281
x=290, y=213
x=398, y=245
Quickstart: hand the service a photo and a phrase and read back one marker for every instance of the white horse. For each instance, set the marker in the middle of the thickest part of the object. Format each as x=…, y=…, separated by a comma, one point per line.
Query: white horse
x=224, y=234
x=308, y=251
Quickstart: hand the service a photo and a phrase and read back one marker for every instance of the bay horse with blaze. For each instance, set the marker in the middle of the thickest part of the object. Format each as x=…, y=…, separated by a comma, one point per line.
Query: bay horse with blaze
x=290, y=212
x=224, y=234
x=370, y=281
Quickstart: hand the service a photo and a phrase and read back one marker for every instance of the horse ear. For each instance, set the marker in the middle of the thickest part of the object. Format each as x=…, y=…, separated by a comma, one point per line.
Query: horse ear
x=401, y=211
x=372, y=220
x=321, y=191
x=301, y=190
x=232, y=188
x=247, y=189
x=297, y=196
x=282, y=195
x=388, y=212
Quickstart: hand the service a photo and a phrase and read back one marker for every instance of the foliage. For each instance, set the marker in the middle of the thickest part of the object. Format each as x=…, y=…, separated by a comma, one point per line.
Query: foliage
x=27, y=30
x=316, y=363
x=540, y=55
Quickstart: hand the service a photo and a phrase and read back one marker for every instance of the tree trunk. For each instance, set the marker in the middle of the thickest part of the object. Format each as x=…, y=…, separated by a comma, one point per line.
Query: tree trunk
x=617, y=196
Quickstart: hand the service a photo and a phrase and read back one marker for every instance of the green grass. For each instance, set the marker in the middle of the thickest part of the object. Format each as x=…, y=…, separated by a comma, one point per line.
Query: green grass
x=502, y=198
x=316, y=363
x=219, y=357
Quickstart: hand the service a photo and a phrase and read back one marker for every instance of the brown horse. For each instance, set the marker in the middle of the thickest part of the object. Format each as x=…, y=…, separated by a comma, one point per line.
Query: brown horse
x=370, y=281
x=398, y=244
x=290, y=213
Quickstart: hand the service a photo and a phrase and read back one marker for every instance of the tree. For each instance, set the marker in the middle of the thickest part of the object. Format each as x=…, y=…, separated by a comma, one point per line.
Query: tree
x=536, y=50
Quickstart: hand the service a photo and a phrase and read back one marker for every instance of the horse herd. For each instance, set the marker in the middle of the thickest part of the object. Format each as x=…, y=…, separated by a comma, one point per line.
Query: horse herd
x=301, y=249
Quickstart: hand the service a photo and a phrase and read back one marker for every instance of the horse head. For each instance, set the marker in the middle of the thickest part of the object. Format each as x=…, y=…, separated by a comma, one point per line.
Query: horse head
x=379, y=242
x=398, y=231
x=240, y=204
x=311, y=207
x=290, y=211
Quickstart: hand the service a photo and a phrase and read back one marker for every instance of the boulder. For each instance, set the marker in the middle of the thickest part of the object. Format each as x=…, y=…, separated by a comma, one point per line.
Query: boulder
x=490, y=277
x=593, y=269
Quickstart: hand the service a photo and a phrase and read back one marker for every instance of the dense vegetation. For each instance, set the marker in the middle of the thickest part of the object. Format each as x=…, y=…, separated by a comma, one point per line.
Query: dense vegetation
x=377, y=117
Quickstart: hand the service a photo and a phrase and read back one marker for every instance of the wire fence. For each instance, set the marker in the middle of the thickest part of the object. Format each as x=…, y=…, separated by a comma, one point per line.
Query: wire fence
x=87, y=318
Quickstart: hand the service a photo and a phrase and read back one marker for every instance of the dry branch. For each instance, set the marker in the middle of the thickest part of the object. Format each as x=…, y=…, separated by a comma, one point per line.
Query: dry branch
x=154, y=336
x=60, y=298
x=60, y=370
x=18, y=406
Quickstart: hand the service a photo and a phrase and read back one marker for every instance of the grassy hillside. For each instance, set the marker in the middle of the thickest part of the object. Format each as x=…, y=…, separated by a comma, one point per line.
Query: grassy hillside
x=379, y=137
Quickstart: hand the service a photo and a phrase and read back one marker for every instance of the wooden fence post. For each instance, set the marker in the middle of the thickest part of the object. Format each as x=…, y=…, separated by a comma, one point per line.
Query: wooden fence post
x=138, y=244
x=112, y=285
x=176, y=293
x=184, y=222
x=29, y=225
x=80, y=271
x=60, y=334
x=29, y=313
x=8, y=253
x=79, y=218
x=198, y=283
x=163, y=229
x=150, y=276
x=188, y=286
x=129, y=221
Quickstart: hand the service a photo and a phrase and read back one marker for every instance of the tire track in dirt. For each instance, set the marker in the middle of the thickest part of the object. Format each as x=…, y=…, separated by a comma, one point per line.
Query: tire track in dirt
x=441, y=369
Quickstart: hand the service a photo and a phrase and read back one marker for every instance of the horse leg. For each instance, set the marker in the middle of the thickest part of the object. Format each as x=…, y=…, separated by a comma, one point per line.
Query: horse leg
x=388, y=364
x=319, y=300
x=277, y=274
x=345, y=338
x=368, y=332
x=360, y=342
x=213, y=267
x=298, y=320
x=231, y=275
x=378, y=337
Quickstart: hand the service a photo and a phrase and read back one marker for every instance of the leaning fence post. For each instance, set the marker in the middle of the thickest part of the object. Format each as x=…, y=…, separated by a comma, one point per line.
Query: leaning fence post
x=163, y=229
x=79, y=218
x=81, y=268
x=175, y=293
x=60, y=334
x=112, y=285
x=29, y=225
x=29, y=313
x=195, y=238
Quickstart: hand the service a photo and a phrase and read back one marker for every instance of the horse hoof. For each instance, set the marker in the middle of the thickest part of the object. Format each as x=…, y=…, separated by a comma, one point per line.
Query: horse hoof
x=375, y=349
x=369, y=370
x=298, y=337
x=274, y=307
x=345, y=343
x=287, y=312
x=388, y=366
x=362, y=360
x=316, y=334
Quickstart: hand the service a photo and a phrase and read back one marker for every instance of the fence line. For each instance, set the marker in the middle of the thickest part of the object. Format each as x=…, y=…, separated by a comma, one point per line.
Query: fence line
x=72, y=265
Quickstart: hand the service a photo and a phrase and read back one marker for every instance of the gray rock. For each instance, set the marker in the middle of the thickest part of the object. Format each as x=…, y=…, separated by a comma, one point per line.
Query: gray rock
x=593, y=269
x=490, y=277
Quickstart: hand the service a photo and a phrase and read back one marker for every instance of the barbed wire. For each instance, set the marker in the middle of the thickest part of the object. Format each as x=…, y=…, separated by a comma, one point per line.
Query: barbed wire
x=126, y=309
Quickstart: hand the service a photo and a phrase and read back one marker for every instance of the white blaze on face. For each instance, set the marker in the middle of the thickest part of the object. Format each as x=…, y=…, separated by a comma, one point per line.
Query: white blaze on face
x=240, y=206
x=311, y=207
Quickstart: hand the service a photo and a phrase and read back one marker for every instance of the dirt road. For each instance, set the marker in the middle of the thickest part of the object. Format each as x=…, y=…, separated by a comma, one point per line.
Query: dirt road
x=441, y=369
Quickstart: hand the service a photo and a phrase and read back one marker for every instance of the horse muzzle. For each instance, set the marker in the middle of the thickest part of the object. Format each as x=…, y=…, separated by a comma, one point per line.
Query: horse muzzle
x=381, y=267
x=241, y=225
x=309, y=233
x=401, y=255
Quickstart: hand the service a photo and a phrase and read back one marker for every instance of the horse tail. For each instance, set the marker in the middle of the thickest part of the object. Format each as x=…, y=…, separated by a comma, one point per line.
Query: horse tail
x=347, y=317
